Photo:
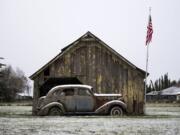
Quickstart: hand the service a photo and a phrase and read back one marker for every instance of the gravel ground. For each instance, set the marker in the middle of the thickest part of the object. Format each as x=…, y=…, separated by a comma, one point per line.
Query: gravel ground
x=16, y=120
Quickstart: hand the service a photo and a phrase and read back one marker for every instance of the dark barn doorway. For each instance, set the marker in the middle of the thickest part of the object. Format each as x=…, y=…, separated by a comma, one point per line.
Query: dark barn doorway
x=52, y=82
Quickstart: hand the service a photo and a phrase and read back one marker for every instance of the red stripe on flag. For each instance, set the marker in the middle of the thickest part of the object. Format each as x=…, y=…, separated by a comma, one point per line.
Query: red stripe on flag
x=149, y=31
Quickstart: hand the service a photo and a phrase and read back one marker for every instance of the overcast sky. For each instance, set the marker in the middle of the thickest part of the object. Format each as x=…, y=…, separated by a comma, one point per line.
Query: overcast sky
x=32, y=32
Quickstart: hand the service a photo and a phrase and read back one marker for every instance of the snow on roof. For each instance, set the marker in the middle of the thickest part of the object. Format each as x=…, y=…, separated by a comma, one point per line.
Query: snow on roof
x=24, y=94
x=152, y=93
x=171, y=91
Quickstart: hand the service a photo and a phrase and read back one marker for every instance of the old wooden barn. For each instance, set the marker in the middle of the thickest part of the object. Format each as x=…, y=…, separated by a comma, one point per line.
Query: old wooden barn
x=89, y=60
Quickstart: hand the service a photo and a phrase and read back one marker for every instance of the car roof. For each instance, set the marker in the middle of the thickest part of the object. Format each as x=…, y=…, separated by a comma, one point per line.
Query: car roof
x=72, y=85
x=69, y=86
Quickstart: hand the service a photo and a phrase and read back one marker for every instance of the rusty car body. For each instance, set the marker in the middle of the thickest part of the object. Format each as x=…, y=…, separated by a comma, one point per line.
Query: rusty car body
x=79, y=99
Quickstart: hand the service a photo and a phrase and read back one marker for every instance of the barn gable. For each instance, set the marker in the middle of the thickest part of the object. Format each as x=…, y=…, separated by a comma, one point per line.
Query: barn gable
x=86, y=37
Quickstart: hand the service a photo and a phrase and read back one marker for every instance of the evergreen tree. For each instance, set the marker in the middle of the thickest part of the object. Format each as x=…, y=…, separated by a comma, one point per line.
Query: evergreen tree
x=162, y=83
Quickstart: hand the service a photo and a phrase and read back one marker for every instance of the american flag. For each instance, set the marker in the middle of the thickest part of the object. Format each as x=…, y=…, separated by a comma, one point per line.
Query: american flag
x=149, y=31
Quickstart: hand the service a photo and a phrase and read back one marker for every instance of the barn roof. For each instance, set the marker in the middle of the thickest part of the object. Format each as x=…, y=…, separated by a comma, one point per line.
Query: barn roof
x=87, y=36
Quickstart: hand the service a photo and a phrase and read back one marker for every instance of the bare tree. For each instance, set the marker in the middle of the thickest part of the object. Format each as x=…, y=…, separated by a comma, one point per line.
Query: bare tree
x=12, y=82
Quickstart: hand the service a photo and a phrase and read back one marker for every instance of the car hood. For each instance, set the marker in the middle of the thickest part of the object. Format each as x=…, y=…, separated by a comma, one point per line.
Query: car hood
x=108, y=96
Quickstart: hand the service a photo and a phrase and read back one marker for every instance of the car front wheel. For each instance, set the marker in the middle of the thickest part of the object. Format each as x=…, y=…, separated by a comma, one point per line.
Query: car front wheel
x=55, y=111
x=116, y=111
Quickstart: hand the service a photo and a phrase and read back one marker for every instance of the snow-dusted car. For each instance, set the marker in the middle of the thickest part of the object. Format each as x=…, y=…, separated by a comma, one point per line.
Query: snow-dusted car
x=79, y=99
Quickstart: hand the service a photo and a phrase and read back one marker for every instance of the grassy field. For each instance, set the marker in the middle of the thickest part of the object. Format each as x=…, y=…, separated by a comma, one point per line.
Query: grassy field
x=159, y=120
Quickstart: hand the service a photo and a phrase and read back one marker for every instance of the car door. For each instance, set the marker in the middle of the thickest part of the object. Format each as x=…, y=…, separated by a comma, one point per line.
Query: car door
x=69, y=99
x=84, y=100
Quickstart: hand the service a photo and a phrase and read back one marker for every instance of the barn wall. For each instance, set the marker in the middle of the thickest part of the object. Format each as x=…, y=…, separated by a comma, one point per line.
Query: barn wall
x=37, y=83
x=95, y=65
x=135, y=100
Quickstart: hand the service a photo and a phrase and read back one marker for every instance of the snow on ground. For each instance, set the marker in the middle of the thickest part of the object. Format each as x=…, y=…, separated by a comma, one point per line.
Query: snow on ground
x=159, y=121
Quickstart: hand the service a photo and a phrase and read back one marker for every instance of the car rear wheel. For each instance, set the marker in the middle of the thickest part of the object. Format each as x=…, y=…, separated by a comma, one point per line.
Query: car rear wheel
x=55, y=111
x=116, y=111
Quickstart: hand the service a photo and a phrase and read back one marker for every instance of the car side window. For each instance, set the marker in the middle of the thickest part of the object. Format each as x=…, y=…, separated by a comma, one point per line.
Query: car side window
x=68, y=92
x=62, y=93
x=56, y=93
x=83, y=92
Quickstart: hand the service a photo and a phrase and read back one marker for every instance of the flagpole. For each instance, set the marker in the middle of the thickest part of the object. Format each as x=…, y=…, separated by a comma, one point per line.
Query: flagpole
x=147, y=60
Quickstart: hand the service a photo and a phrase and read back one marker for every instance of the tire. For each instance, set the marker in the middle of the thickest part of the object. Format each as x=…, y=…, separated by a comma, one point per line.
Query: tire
x=116, y=111
x=55, y=111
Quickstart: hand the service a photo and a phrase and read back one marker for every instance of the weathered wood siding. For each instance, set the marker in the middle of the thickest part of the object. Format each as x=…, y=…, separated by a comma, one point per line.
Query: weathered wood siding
x=95, y=65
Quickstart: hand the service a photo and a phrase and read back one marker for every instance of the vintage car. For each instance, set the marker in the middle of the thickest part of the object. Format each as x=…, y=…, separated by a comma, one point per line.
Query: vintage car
x=79, y=99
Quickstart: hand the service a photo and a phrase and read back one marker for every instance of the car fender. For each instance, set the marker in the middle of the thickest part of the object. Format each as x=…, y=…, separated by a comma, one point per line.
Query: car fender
x=45, y=109
x=107, y=106
x=40, y=101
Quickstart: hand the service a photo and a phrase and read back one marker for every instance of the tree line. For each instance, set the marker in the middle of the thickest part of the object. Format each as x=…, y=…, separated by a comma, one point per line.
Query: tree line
x=162, y=83
x=12, y=82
